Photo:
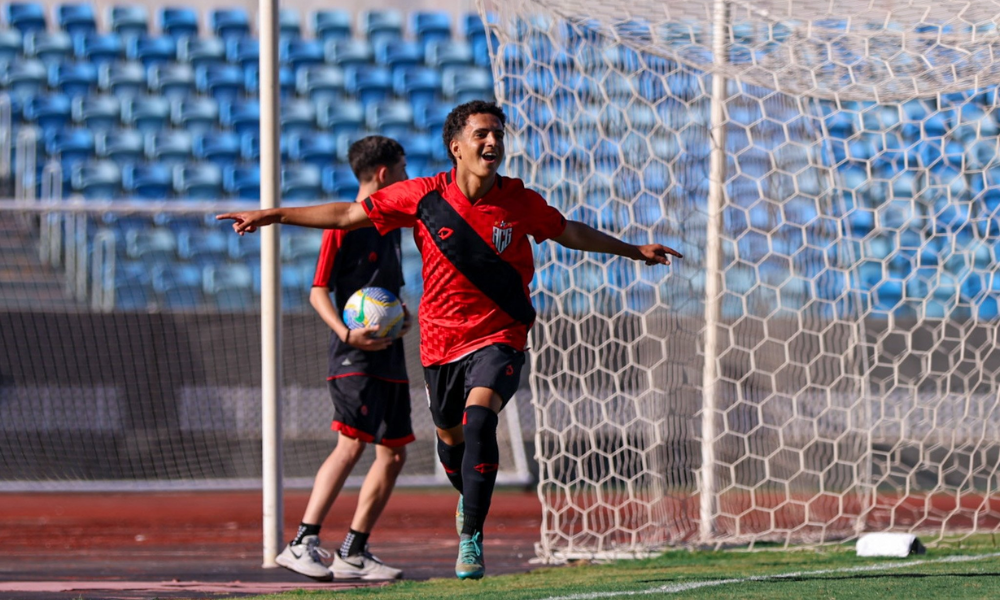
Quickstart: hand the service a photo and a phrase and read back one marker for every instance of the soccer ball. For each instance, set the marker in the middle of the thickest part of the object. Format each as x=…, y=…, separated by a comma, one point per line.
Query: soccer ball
x=373, y=306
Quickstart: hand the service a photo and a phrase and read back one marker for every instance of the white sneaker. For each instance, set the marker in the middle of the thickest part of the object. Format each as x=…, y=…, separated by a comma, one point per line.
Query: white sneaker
x=306, y=559
x=362, y=566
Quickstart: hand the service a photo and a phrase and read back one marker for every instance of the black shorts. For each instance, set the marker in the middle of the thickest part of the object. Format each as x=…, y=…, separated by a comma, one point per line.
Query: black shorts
x=497, y=367
x=372, y=410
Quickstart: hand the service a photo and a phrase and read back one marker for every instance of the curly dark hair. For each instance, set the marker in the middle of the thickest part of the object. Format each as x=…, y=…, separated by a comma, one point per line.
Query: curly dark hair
x=459, y=116
x=369, y=153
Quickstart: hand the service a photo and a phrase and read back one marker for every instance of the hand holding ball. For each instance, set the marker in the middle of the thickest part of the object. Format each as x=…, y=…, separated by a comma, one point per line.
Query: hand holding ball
x=374, y=306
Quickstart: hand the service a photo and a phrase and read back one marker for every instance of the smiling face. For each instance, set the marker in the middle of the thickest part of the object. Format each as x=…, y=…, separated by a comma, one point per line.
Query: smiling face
x=478, y=149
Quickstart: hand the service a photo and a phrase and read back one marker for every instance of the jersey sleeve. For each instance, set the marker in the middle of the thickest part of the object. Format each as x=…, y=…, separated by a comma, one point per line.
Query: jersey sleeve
x=333, y=239
x=547, y=221
x=395, y=206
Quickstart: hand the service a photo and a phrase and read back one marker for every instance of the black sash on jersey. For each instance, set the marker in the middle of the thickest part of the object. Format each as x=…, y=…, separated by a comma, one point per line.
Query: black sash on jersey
x=474, y=258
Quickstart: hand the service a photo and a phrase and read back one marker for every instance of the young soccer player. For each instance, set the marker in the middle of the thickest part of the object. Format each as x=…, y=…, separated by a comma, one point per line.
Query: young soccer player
x=367, y=381
x=471, y=227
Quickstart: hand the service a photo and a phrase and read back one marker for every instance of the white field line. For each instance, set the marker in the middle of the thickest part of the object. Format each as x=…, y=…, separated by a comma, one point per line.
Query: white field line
x=693, y=585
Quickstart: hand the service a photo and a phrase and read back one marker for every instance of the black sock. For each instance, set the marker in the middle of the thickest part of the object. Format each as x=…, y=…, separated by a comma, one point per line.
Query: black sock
x=354, y=543
x=479, y=468
x=304, y=530
x=451, y=460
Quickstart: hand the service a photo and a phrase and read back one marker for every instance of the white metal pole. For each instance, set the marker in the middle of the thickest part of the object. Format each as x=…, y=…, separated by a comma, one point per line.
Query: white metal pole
x=270, y=288
x=713, y=275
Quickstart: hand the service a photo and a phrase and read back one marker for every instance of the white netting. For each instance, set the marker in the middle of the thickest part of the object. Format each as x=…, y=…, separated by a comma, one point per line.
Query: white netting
x=821, y=361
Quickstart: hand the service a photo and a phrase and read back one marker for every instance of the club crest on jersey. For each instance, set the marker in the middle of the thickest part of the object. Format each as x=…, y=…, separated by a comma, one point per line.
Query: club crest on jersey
x=503, y=233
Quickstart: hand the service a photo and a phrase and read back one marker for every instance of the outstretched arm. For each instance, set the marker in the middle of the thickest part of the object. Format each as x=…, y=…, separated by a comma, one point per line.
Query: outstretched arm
x=335, y=215
x=580, y=236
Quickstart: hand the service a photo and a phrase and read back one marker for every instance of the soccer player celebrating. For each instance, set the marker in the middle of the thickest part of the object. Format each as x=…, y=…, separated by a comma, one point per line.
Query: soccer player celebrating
x=367, y=381
x=471, y=227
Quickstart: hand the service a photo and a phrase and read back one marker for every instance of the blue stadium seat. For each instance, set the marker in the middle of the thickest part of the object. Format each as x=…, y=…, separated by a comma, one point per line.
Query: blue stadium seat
x=146, y=113
x=315, y=147
x=173, y=80
x=223, y=82
x=420, y=154
x=179, y=22
x=419, y=85
x=230, y=22
x=70, y=145
x=48, y=111
x=299, y=244
x=129, y=22
x=76, y=19
x=50, y=48
x=152, y=181
x=441, y=54
x=382, y=24
x=299, y=53
x=100, y=48
x=344, y=141
x=320, y=82
x=250, y=146
x=25, y=16
x=349, y=53
x=230, y=287
x=203, y=245
x=392, y=119
x=169, y=147
x=11, y=45
x=194, y=114
x=198, y=181
x=300, y=182
x=243, y=51
x=430, y=26
x=341, y=116
x=201, y=51
x=73, y=79
x=431, y=117
x=151, y=50
x=97, y=112
x=297, y=115
x=242, y=182
x=339, y=181
x=368, y=84
x=398, y=54
x=466, y=84
x=475, y=33
x=150, y=243
x=219, y=147
x=332, y=25
x=241, y=115
x=286, y=81
x=123, y=146
x=289, y=24
x=97, y=179
x=178, y=285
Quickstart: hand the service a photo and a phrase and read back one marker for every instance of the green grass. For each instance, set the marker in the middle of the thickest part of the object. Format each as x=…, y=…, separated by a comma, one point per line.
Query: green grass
x=920, y=578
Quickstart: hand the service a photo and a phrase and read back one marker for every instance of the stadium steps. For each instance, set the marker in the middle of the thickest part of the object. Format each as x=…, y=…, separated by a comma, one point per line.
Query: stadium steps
x=25, y=282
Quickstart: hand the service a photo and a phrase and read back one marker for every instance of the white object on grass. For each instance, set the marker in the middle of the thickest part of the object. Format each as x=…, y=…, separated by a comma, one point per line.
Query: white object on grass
x=898, y=545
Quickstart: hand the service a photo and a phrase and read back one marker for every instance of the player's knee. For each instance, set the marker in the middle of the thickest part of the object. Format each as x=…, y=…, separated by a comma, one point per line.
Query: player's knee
x=479, y=421
x=350, y=448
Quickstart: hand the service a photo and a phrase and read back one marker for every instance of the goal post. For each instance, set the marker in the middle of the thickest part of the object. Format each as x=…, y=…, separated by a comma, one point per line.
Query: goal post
x=821, y=362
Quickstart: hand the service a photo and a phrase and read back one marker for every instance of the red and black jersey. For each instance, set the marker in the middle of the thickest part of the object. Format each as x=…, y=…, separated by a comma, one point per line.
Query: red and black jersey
x=349, y=261
x=477, y=259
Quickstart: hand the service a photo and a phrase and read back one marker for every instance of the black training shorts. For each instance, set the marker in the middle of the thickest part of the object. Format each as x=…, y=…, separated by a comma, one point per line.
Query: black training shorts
x=372, y=410
x=497, y=367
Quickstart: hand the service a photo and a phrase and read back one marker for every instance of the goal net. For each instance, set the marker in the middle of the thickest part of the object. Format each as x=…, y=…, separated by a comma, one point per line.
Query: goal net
x=822, y=362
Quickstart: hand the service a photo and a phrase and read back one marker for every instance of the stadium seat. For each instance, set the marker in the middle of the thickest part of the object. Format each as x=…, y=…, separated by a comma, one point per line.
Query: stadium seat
x=320, y=82
x=338, y=181
x=230, y=22
x=419, y=85
x=151, y=50
x=430, y=26
x=297, y=115
x=178, y=285
x=25, y=16
x=219, y=147
x=11, y=45
x=195, y=114
x=431, y=118
x=203, y=245
x=332, y=25
x=392, y=119
x=398, y=54
x=242, y=182
x=300, y=182
x=146, y=113
x=286, y=81
x=151, y=181
x=243, y=51
x=151, y=243
x=48, y=111
x=172, y=80
x=224, y=82
x=97, y=179
x=344, y=142
x=289, y=24
x=70, y=145
x=100, y=48
x=128, y=21
x=76, y=19
x=466, y=84
x=179, y=22
x=50, y=48
x=441, y=54
x=198, y=181
x=123, y=146
x=201, y=51
x=349, y=53
x=241, y=115
x=250, y=146
x=298, y=53
x=368, y=84
x=341, y=116
x=97, y=112
x=168, y=146
x=73, y=79
x=230, y=287
x=420, y=153
x=382, y=24
x=301, y=243
x=315, y=147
